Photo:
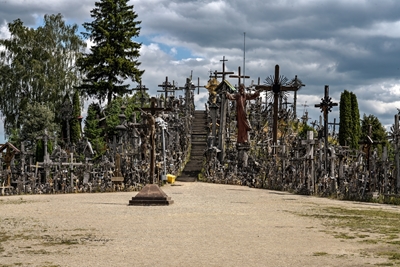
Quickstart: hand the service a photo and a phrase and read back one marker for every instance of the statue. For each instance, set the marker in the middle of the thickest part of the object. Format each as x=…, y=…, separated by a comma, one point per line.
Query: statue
x=211, y=86
x=241, y=115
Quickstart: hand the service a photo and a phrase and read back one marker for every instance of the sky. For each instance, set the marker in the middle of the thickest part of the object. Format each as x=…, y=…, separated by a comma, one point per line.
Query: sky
x=351, y=45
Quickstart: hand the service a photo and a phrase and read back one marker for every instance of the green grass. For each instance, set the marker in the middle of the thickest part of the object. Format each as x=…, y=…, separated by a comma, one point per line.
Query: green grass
x=375, y=227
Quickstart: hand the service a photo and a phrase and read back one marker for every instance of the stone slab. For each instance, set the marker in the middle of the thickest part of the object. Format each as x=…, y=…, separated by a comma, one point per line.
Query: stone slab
x=151, y=195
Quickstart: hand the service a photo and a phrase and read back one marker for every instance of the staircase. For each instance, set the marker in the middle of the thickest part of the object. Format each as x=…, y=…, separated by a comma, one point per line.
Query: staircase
x=199, y=144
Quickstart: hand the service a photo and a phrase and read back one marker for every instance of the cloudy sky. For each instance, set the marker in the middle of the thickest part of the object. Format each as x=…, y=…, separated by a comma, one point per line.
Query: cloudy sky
x=349, y=45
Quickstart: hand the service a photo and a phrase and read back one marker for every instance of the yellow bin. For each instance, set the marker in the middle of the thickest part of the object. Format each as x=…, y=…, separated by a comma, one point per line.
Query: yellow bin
x=171, y=178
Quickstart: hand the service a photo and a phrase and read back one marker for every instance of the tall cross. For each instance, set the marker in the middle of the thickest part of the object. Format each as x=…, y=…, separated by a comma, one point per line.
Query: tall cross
x=277, y=87
x=167, y=87
x=326, y=107
x=223, y=72
x=239, y=76
x=151, y=124
x=141, y=88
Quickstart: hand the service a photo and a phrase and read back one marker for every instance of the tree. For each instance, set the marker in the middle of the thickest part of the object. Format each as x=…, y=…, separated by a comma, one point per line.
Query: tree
x=37, y=66
x=349, y=125
x=378, y=132
x=113, y=58
x=76, y=117
x=36, y=121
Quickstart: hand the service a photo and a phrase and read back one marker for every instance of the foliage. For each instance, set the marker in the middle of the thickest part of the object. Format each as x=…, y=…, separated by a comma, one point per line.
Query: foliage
x=113, y=57
x=37, y=121
x=378, y=132
x=93, y=132
x=75, y=120
x=304, y=129
x=349, y=126
x=37, y=66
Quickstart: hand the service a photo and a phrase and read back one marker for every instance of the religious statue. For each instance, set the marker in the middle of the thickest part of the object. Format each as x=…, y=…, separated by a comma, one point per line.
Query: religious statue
x=211, y=86
x=243, y=123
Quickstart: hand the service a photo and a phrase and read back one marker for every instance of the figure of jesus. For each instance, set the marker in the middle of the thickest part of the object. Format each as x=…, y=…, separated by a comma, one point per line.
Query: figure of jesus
x=243, y=124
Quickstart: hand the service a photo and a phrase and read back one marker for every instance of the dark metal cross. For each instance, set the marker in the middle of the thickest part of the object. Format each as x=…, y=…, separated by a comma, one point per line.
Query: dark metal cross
x=326, y=107
x=141, y=88
x=277, y=87
x=239, y=76
x=167, y=87
x=223, y=72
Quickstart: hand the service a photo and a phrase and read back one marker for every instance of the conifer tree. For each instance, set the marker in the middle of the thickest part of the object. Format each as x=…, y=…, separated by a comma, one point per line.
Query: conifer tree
x=345, y=128
x=113, y=57
x=75, y=120
x=349, y=125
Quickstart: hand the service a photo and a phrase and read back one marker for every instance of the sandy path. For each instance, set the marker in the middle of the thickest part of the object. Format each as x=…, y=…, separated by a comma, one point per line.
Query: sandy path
x=208, y=225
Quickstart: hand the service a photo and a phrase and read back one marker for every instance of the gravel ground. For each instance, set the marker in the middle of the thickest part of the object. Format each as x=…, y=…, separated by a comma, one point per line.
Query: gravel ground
x=208, y=225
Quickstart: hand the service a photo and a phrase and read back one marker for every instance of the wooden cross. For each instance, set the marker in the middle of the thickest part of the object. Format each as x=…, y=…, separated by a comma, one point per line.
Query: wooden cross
x=167, y=87
x=151, y=124
x=334, y=123
x=276, y=88
x=141, y=88
x=326, y=107
x=239, y=76
x=223, y=72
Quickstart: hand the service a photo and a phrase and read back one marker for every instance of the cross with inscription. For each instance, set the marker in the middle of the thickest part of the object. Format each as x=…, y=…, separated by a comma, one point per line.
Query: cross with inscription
x=326, y=107
x=141, y=88
x=277, y=87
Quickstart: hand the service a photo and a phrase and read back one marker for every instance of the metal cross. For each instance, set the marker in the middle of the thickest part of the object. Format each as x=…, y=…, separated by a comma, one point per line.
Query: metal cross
x=326, y=107
x=239, y=76
x=277, y=87
x=141, y=88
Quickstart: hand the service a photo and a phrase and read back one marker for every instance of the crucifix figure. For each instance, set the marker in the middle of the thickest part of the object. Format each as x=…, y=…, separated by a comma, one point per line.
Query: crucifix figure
x=151, y=126
x=277, y=87
x=243, y=123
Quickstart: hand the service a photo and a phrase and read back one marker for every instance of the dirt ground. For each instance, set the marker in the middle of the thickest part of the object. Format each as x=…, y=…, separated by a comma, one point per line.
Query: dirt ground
x=207, y=225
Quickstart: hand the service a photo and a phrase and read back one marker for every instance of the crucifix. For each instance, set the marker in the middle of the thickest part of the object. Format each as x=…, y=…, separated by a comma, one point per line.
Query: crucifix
x=326, y=107
x=142, y=89
x=277, y=87
x=151, y=124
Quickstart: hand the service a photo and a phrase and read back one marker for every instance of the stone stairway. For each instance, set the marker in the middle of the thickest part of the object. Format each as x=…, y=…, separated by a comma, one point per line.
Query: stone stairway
x=199, y=144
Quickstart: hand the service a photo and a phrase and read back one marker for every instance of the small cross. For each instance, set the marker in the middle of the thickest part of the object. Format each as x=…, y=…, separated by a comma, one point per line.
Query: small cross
x=141, y=88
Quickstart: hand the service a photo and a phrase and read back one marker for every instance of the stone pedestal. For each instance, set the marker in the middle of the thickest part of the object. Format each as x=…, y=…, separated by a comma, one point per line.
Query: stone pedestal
x=242, y=154
x=151, y=195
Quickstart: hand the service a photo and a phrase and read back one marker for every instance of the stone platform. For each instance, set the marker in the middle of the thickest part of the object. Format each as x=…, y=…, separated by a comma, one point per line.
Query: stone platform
x=151, y=195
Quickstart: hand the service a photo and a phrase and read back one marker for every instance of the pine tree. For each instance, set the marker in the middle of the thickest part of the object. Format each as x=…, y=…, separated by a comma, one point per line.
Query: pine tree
x=349, y=125
x=345, y=133
x=75, y=121
x=113, y=58
x=355, y=117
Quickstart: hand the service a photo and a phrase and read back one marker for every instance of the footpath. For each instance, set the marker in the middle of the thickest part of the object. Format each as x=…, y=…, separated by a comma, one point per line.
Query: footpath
x=207, y=225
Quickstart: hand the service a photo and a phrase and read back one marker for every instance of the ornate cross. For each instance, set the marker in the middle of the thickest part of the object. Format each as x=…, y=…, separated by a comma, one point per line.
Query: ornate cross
x=277, y=87
x=326, y=107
